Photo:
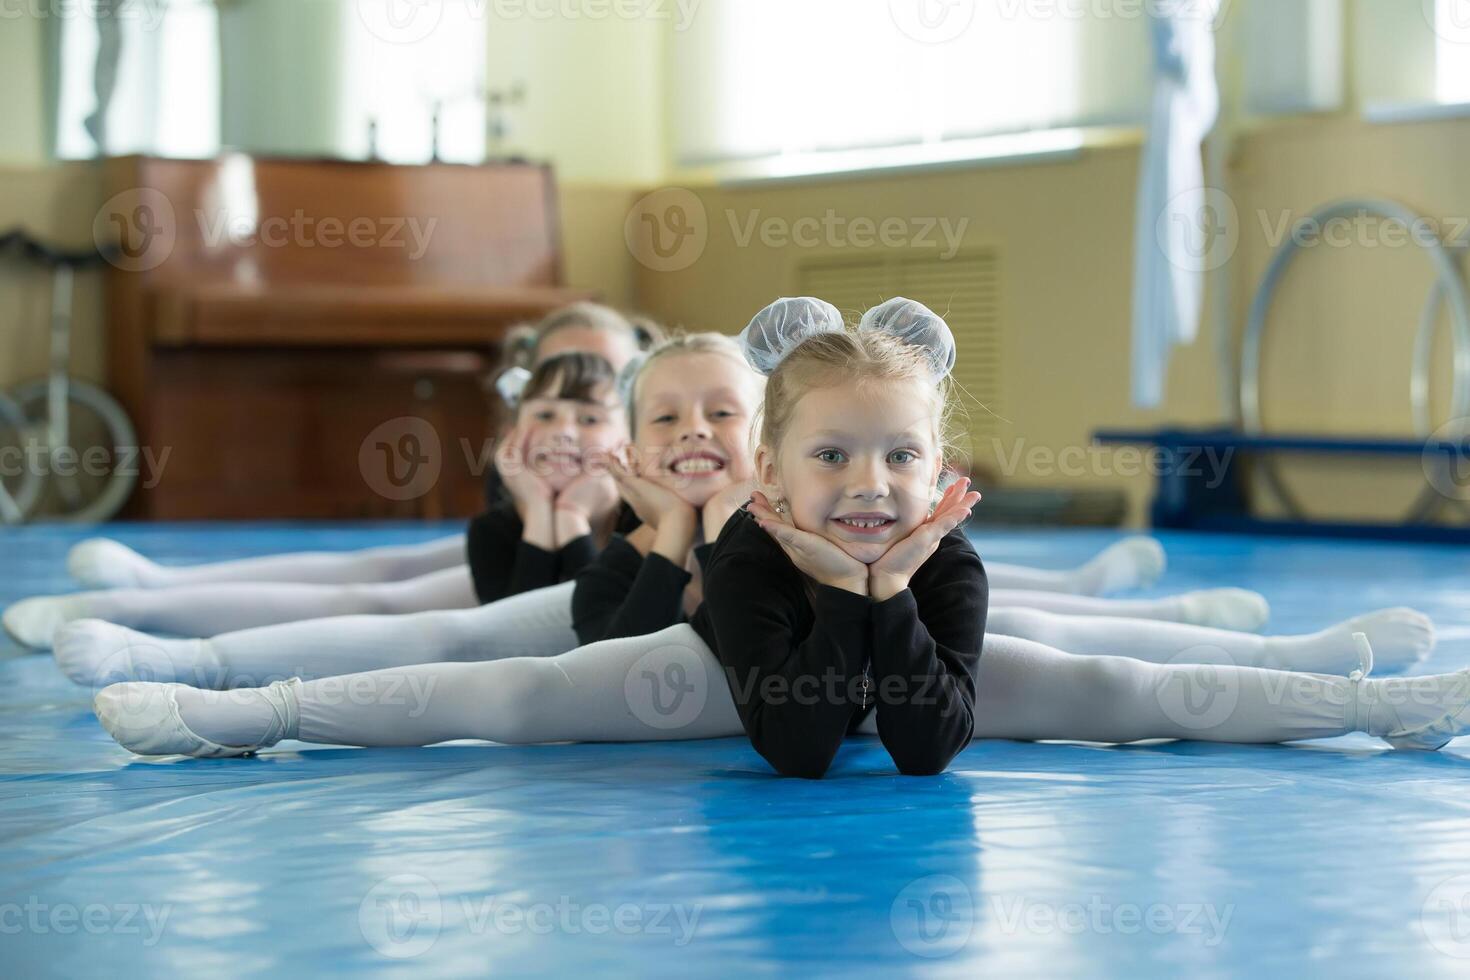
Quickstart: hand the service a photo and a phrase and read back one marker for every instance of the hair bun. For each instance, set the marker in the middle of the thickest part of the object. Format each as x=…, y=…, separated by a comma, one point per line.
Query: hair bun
x=918, y=326
x=778, y=329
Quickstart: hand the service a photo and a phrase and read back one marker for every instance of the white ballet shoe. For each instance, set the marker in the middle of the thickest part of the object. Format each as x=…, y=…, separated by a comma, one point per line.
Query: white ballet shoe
x=144, y=718
x=1133, y=563
x=34, y=622
x=1401, y=638
x=1448, y=718
x=1450, y=724
x=101, y=563
x=1228, y=609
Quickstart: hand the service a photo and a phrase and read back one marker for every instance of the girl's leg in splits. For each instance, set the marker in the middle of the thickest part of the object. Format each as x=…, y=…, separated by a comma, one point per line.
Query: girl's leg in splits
x=669, y=686
x=1229, y=609
x=1133, y=563
x=1029, y=691
x=533, y=624
x=1400, y=639
x=665, y=686
x=100, y=563
x=205, y=610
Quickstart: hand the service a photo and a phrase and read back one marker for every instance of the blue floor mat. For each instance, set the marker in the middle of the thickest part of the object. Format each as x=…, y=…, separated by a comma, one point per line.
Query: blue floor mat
x=1335, y=858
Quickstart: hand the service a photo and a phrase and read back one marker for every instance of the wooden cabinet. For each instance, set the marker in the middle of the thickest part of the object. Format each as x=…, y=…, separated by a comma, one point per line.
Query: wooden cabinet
x=289, y=331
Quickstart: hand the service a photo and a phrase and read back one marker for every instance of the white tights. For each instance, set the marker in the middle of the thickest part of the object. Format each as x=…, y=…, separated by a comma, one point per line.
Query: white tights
x=225, y=597
x=101, y=563
x=205, y=610
x=669, y=686
x=538, y=624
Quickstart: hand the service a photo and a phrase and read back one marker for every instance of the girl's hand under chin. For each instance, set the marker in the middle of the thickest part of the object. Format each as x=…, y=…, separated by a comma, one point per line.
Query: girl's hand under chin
x=890, y=574
x=654, y=504
x=812, y=554
x=583, y=503
x=524, y=486
x=673, y=518
x=532, y=496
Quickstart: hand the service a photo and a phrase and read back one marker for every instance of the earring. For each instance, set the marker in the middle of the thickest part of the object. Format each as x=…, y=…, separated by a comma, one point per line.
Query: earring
x=780, y=505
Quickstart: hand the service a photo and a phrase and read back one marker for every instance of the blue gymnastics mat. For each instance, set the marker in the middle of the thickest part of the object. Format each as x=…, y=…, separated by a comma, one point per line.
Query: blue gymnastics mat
x=1334, y=858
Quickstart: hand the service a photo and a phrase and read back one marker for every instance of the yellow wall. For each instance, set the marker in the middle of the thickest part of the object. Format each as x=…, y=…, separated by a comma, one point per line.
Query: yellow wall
x=1340, y=341
x=22, y=128
x=594, y=93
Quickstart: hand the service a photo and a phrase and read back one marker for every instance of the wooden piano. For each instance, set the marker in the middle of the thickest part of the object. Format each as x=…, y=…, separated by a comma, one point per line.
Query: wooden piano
x=308, y=339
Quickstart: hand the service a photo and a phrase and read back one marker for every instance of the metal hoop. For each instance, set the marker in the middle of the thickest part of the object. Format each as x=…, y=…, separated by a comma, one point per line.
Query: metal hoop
x=1448, y=285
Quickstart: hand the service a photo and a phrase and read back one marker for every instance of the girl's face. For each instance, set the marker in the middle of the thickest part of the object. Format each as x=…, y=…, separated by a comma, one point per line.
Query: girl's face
x=693, y=426
x=857, y=465
x=615, y=348
x=561, y=438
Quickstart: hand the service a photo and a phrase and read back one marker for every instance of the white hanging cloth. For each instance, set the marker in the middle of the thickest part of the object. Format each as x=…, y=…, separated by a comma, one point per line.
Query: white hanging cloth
x=1174, y=225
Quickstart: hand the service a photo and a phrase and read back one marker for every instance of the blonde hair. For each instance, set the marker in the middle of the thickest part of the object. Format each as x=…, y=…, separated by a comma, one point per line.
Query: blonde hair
x=523, y=342
x=848, y=357
x=682, y=343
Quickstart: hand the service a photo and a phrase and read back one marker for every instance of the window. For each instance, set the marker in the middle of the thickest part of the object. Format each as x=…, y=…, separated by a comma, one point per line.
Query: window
x=166, y=93
x=761, y=80
x=305, y=81
x=1452, y=51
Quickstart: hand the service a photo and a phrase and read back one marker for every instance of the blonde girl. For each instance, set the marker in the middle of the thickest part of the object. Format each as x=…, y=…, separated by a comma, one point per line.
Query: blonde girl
x=693, y=401
x=848, y=678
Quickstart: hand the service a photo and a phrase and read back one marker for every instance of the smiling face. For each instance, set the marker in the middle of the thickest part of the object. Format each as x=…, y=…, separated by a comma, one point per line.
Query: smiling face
x=857, y=464
x=561, y=438
x=692, y=430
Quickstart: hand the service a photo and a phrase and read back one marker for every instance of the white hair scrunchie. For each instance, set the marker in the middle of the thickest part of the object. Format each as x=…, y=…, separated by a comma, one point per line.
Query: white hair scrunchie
x=918, y=326
x=511, y=385
x=780, y=328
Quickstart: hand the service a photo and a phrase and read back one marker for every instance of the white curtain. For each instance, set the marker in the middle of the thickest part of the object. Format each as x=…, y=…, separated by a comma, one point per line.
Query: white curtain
x=1176, y=222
